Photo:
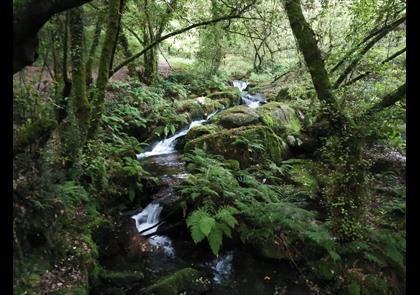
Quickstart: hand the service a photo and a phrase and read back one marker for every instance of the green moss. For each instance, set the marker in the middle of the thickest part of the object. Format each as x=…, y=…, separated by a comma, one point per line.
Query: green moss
x=197, y=107
x=232, y=96
x=236, y=117
x=245, y=144
x=280, y=117
x=201, y=130
x=187, y=279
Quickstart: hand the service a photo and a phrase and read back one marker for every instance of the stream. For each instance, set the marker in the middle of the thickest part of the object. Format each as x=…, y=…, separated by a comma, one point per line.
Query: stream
x=236, y=270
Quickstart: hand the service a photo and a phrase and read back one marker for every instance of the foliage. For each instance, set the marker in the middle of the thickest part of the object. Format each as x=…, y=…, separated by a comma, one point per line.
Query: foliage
x=261, y=210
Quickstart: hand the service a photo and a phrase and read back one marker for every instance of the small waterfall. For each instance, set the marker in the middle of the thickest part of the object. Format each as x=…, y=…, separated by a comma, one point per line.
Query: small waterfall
x=167, y=146
x=241, y=85
x=253, y=101
x=150, y=217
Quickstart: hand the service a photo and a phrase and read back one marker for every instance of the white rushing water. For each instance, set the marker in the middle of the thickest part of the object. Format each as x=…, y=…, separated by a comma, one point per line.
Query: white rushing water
x=222, y=267
x=167, y=146
x=150, y=216
x=241, y=85
x=252, y=101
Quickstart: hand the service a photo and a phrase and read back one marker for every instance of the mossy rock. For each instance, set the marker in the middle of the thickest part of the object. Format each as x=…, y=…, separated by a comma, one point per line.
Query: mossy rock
x=200, y=130
x=280, y=117
x=247, y=145
x=187, y=279
x=236, y=116
x=123, y=279
x=233, y=96
x=198, y=107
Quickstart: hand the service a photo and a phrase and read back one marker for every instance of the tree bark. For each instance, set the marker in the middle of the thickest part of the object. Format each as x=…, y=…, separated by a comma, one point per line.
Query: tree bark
x=80, y=103
x=104, y=65
x=28, y=18
x=92, y=50
x=308, y=46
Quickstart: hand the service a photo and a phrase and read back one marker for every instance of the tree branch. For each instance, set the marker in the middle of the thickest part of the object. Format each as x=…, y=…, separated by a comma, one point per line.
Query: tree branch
x=388, y=100
x=177, y=32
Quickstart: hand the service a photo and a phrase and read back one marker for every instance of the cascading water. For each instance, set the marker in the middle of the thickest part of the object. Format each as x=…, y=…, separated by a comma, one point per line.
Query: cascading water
x=167, y=146
x=146, y=224
x=253, y=101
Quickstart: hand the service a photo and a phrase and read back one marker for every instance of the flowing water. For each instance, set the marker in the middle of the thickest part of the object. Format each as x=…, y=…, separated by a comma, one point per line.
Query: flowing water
x=234, y=271
x=167, y=146
x=253, y=101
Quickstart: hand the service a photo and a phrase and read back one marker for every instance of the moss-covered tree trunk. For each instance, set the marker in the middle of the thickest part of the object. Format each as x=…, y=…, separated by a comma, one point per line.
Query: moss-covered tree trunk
x=93, y=47
x=307, y=43
x=80, y=103
x=150, y=57
x=345, y=195
x=127, y=53
x=104, y=65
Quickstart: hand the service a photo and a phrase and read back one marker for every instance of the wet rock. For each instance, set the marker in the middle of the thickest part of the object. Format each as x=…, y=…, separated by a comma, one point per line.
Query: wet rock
x=236, y=117
x=187, y=280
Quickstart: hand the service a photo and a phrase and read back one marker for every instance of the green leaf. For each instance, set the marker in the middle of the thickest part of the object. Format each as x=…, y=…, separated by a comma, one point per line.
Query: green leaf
x=206, y=224
x=196, y=234
x=215, y=239
x=173, y=129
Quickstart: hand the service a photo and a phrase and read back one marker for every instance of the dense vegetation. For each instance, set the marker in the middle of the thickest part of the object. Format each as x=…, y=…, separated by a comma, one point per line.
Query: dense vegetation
x=314, y=177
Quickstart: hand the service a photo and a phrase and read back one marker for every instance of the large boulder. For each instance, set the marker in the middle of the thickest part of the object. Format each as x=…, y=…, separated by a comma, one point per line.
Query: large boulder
x=247, y=145
x=236, y=116
x=187, y=280
x=280, y=117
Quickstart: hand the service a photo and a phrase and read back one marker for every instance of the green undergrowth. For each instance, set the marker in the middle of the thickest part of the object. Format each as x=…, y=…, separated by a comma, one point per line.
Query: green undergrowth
x=266, y=206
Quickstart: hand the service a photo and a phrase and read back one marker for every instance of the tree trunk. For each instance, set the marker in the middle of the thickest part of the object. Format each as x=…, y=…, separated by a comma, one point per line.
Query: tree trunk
x=104, y=65
x=127, y=53
x=80, y=103
x=308, y=46
x=92, y=50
